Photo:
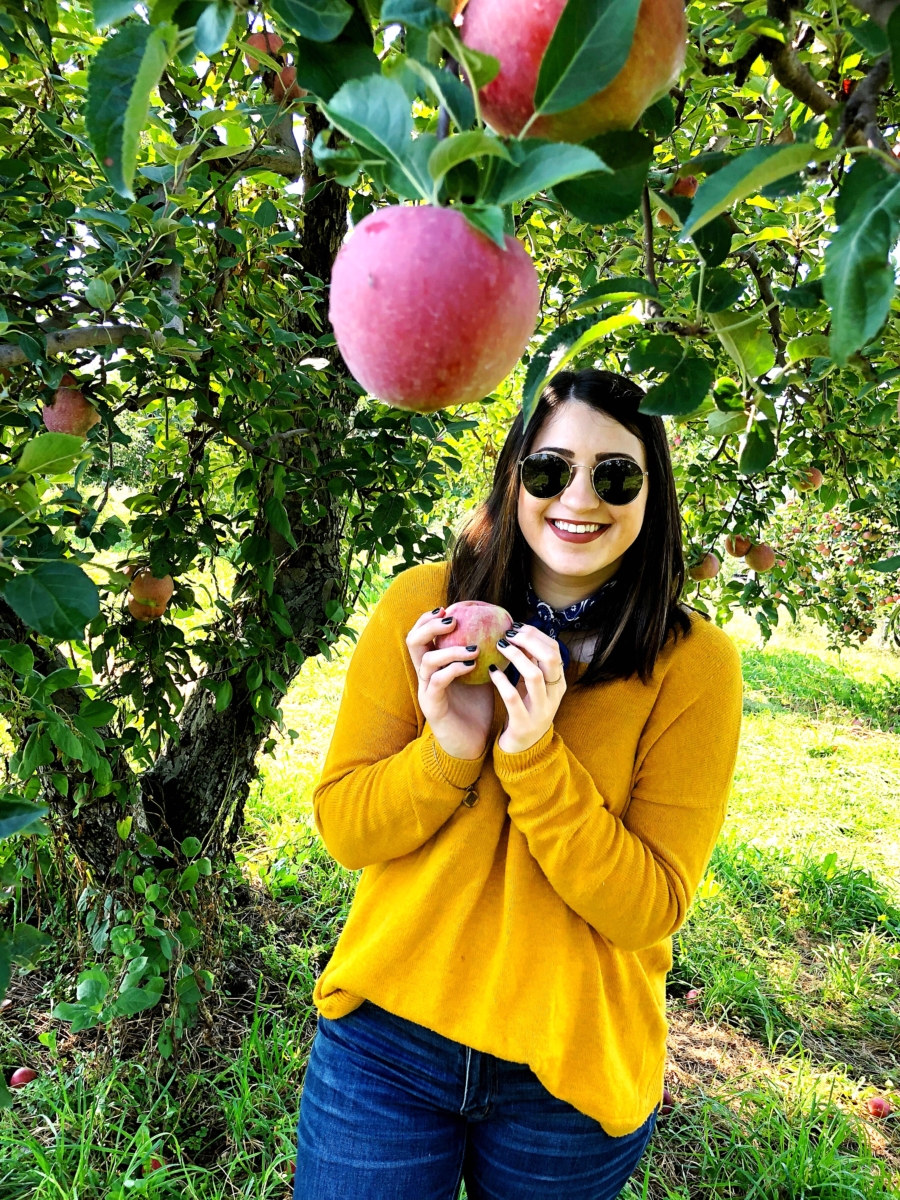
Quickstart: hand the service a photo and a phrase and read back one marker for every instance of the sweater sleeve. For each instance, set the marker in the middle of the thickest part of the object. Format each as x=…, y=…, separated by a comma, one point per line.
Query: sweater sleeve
x=633, y=878
x=387, y=785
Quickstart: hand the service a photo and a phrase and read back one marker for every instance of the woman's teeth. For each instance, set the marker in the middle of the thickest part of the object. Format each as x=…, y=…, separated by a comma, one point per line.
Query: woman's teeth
x=569, y=527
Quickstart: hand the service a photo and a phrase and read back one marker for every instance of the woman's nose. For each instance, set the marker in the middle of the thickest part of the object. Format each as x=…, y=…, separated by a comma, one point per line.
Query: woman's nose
x=580, y=494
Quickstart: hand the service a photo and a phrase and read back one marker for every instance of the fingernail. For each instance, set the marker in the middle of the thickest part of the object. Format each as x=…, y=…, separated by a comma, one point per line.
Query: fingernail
x=511, y=632
x=503, y=643
x=470, y=662
x=435, y=611
x=471, y=649
x=446, y=620
x=492, y=667
x=517, y=624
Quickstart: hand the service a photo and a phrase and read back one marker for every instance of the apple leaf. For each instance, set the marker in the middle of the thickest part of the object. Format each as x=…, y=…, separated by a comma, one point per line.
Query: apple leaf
x=682, y=391
x=746, y=339
x=487, y=219
x=324, y=68
x=123, y=74
x=16, y=815
x=213, y=27
x=588, y=49
x=604, y=197
x=887, y=564
x=452, y=94
x=611, y=290
x=859, y=277
x=375, y=113
x=480, y=68
x=758, y=449
x=50, y=454
x=537, y=166
x=720, y=290
x=110, y=12
x=415, y=14
x=893, y=36
x=57, y=599
x=318, y=20
x=454, y=150
x=745, y=176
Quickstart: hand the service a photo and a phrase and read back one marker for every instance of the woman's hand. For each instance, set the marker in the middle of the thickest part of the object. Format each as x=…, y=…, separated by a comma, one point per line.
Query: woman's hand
x=531, y=705
x=460, y=715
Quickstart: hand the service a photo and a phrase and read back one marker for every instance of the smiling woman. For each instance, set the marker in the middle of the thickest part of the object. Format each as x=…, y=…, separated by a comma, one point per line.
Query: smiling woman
x=494, y=1011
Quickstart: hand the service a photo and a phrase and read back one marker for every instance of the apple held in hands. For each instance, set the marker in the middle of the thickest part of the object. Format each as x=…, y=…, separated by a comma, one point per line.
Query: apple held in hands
x=477, y=624
x=517, y=32
x=427, y=311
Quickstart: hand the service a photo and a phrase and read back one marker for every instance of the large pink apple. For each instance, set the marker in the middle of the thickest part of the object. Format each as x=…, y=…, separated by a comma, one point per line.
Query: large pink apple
x=70, y=412
x=477, y=624
x=517, y=32
x=428, y=311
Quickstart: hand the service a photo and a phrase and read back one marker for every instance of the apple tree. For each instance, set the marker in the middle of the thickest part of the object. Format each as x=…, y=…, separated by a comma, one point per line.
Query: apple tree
x=200, y=481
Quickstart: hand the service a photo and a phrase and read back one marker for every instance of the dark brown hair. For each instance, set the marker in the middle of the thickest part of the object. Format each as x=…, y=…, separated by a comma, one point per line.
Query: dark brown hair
x=490, y=557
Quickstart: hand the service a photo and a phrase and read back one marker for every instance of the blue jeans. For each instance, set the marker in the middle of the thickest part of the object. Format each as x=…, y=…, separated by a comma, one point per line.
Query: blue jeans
x=393, y=1111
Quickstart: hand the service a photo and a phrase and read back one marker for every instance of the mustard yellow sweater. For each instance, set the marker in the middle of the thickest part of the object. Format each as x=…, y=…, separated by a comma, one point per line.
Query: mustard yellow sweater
x=536, y=924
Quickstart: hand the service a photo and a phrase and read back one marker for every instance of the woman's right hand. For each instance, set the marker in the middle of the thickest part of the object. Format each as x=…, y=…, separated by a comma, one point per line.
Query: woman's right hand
x=460, y=715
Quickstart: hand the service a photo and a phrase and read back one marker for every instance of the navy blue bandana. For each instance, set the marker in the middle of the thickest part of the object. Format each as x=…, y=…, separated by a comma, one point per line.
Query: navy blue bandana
x=553, y=621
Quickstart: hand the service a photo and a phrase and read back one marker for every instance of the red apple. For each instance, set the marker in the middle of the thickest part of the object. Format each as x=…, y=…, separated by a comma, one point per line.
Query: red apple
x=879, y=1106
x=668, y=1103
x=265, y=40
x=708, y=567
x=70, y=412
x=810, y=481
x=477, y=624
x=428, y=311
x=663, y=218
x=21, y=1076
x=686, y=185
x=149, y=595
x=517, y=32
x=760, y=558
x=737, y=545
x=693, y=996
x=285, y=85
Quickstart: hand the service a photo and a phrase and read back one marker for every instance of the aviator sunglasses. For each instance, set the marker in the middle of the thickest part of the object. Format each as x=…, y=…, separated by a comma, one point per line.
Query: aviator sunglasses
x=546, y=474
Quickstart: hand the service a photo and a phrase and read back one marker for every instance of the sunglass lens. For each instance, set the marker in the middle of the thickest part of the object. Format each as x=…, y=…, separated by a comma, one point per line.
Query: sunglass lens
x=618, y=481
x=544, y=475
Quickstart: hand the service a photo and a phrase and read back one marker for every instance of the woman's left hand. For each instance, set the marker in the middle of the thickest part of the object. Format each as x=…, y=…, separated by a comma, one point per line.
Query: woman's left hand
x=531, y=705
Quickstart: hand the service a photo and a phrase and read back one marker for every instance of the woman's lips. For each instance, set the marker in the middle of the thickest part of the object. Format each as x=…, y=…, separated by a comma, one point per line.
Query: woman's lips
x=566, y=535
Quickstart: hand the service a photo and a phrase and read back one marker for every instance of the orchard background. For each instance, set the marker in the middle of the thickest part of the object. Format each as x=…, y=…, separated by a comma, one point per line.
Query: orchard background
x=198, y=501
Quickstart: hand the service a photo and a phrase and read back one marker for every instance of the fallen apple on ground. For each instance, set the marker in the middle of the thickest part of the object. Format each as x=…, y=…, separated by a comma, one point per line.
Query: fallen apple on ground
x=668, y=1103
x=21, y=1076
x=879, y=1106
x=477, y=624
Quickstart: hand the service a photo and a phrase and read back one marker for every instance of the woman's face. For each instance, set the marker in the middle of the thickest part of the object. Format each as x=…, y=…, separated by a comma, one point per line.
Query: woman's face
x=566, y=568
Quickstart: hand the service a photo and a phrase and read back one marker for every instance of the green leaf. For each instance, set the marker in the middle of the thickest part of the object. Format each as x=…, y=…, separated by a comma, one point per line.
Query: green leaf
x=415, y=14
x=758, y=449
x=810, y=345
x=451, y=93
x=27, y=945
x=859, y=278
x=134, y=1000
x=480, y=68
x=746, y=338
x=375, y=112
x=16, y=815
x=123, y=828
x=588, y=49
x=99, y=294
x=110, y=12
x=454, y=150
x=682, y=391
x=487, y=219
x=893, y=36
x=93, y=985
x=721, y=424
x=604, y=197
x=65, y=740
x=265, y=215
x=276, y=515
x=323, y=68
x=213, y=27
x=887, y=564
x=610, y=290
x=50, y=454
x=189, y=877
x=721, y=289
x=538, y=165
x=870, y=36
x=657, y=352
x=745, y=176
x=318, y=20
x=191, y=847
x=97, y=712
x=57, y=599
x=222, y=690
x=123, y=73
x=18, y=656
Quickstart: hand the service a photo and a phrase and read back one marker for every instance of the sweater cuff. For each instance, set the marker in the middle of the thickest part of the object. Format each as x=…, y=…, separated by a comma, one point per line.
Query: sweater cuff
x=460, y=773
x=510, y=767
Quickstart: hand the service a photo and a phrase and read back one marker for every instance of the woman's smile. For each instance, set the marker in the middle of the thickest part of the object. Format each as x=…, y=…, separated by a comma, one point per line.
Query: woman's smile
x=576, y=531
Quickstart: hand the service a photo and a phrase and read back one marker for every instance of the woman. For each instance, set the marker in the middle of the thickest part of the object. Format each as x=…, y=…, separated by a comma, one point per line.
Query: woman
x=495, y=1008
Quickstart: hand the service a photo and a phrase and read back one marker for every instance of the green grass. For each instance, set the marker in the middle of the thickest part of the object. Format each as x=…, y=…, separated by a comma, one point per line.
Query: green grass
x=793, y=947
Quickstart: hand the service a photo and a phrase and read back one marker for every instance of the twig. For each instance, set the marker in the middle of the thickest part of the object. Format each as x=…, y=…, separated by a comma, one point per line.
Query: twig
x=649, y=265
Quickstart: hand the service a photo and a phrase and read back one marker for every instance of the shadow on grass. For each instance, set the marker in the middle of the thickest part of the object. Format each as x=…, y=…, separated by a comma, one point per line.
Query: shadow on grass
x=801, y=682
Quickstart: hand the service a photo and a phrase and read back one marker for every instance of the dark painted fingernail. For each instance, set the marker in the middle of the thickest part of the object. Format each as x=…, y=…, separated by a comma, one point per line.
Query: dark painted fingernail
x=493, y=668
x=511, y=633
x=471, y=649
x=470, y=662
x=435, y=611
x=503, y=643
x=517, y=624
x=446, y=620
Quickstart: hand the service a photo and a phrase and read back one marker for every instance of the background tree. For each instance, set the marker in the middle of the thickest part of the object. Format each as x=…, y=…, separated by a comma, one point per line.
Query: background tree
x=175, y=190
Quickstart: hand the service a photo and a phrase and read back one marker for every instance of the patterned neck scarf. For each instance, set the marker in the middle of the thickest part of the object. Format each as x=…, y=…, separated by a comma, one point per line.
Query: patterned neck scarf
x=553, y=621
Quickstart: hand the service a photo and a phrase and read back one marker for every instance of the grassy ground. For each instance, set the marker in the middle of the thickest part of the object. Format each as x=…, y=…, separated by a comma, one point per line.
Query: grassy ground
x=784, y=1001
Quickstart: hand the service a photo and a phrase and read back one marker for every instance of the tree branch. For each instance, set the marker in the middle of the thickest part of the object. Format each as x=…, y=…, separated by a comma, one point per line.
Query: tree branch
x=66, y=340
